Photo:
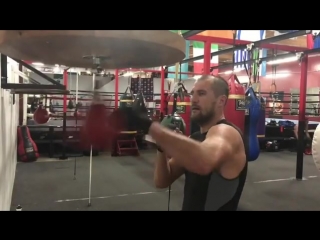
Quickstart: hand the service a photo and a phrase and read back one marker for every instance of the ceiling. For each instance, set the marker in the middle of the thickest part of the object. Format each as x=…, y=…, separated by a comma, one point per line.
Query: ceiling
x=225, y=58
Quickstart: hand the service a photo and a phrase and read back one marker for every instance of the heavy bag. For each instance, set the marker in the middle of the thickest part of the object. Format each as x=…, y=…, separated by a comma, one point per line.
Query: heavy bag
x=251, y=124
x=27, y=149
x=126, y=101
x=140, y=106
x=41, y=115
x=70, y=104
x=236, y=106
x=261, y=128
x=183, y=107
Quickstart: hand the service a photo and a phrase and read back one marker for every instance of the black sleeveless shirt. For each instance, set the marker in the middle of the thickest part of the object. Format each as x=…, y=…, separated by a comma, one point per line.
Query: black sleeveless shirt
x=213, y=192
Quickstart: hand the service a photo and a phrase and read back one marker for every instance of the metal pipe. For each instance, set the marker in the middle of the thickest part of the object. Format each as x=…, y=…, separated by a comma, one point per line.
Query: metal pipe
x=302, y=113
x=116, y=89
x=162, y=92
x=229, y=41
x=191, y=33
x=49, y=79
x=278, y=57
x=207, y=57
x=255, y=44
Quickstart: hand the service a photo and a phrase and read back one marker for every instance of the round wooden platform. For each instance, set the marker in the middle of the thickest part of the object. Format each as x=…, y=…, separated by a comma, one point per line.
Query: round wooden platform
x=119, y=49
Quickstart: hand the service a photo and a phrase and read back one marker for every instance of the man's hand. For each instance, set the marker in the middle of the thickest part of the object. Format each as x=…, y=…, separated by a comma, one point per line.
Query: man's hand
x=175, y=129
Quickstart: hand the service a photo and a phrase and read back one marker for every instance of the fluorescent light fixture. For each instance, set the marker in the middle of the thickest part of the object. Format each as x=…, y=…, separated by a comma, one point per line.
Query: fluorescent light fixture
x=285, y=60
x=37, y=64
x=127, y=74
x=235, y=70
x=196, y=77
x=278, y=75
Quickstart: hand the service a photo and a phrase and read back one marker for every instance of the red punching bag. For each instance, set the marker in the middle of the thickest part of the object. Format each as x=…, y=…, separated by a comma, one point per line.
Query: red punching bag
x=41, y=115
x=236, y=105
x=183, y=106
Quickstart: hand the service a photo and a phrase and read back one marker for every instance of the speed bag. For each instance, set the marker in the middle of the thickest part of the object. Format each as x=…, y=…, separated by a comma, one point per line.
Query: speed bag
x=183, y=110
x=27, y=149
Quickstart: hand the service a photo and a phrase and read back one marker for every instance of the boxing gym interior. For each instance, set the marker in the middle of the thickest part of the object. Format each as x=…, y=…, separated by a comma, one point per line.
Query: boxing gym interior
x=52, y=103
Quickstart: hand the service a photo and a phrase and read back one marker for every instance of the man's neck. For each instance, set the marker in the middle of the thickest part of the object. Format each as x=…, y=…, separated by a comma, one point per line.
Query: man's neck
x=205, y=128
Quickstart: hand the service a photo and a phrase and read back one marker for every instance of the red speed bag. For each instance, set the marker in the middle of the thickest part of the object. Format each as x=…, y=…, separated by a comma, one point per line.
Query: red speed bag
x=41, y=115
x=95, y=125
x=183, y=109
x=236, y=105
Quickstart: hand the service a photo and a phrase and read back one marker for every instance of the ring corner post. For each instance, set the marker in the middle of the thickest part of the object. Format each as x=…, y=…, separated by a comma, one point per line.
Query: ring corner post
x=302, y=113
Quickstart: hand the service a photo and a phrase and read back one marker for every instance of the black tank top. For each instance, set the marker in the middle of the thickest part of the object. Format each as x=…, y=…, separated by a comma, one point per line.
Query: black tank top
x=213, y=192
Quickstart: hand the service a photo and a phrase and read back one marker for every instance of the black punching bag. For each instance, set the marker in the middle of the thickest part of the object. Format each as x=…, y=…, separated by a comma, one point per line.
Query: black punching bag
x=126, y=101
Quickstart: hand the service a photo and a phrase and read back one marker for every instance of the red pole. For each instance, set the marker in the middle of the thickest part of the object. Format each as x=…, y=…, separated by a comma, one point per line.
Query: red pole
x=116, y=89
x=162, y=91
x=65, y=83
x=207, y=57
x=302, y=113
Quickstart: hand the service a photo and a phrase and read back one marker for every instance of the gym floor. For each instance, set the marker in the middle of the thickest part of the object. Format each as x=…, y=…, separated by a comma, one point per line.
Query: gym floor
x=126, y=183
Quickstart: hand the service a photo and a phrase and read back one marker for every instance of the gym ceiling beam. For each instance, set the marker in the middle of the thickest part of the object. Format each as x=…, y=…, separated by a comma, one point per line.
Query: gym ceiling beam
x=229, y=41
x=36, y=71
x=191, y=33
x=255, y=44
x=278, y=57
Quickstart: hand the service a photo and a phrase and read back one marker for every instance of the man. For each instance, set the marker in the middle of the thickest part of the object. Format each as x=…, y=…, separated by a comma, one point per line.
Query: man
x=213, y=160
x=306, y=139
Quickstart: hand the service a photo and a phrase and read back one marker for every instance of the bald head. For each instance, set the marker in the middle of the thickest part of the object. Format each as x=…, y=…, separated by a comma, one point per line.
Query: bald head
x=219, y=85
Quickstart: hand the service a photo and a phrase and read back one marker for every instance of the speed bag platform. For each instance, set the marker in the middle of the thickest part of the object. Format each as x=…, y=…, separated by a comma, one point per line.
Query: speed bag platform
x=27, y=149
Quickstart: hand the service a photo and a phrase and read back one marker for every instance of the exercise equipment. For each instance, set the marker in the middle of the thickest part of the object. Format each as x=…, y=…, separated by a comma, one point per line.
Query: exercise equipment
x=236, y=106
x=261, y=125
x=126, y=101
x=27, y=149
x=251, y=123
x=179, y=104
x=115, y=48
x=174, y=120
x=41, y=115
x=316, y=147
x=95, y=127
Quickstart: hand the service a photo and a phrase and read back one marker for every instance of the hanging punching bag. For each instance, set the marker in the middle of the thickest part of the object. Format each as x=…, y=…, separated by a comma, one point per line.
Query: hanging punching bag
x=251, y=125
x=179, y=105
x=236, y=105
x=126, y=101
x=41, y=115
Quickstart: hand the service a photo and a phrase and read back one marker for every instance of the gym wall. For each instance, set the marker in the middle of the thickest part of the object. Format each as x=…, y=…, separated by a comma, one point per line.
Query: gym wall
x=9, y=115
x=85, y=83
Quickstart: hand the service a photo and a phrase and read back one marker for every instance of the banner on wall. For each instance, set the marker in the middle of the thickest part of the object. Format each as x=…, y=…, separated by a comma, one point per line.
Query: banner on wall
x=241, y=55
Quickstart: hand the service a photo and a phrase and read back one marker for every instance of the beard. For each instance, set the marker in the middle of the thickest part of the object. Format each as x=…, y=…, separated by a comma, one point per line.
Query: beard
x=201, y=118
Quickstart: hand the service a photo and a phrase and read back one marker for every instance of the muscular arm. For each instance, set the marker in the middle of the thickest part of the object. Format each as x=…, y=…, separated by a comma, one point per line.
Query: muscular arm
x=221, y=144
x=166, y=172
